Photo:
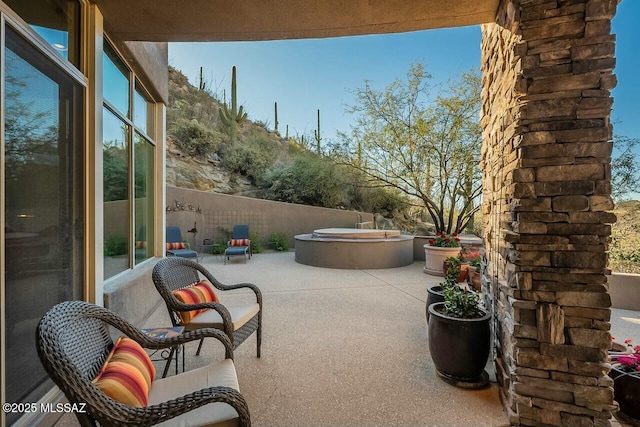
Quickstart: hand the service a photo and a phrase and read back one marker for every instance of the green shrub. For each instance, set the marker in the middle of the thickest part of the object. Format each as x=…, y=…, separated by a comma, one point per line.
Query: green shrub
x=309, y=180
x=116, y=245
x=193, y=138
x=257, y=245
x=218, y=250
x=278, y=242
x=247, y=159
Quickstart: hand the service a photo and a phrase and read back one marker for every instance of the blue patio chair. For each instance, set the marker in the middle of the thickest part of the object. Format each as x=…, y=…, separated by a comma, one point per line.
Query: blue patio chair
x=239, y=243
x=174, y=236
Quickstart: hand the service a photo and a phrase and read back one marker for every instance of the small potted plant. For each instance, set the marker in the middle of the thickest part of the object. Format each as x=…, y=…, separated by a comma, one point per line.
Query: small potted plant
x=459, y=264
x=474, y=259
x=460, y=338
x=439, y=248
x=436, y=293
x=625, y=372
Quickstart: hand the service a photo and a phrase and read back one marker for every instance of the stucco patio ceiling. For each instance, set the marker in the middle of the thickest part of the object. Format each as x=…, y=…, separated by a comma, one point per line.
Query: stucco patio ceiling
x=226, y=20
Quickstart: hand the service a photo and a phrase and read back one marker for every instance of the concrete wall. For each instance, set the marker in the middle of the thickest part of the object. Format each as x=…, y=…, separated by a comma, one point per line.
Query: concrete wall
x=263, y=216
x=624, y=290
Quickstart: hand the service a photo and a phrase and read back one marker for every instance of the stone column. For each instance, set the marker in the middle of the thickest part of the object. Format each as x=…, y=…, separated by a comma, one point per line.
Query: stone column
x=547, y=76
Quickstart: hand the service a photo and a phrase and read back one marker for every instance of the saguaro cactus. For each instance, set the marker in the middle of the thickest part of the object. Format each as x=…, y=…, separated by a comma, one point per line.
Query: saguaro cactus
x=316, y=133
x=275, y=108
x=232, y=118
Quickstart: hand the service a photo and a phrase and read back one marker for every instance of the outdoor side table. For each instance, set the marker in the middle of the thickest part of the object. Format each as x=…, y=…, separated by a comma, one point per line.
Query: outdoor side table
x=169, y=332
x=206, y=248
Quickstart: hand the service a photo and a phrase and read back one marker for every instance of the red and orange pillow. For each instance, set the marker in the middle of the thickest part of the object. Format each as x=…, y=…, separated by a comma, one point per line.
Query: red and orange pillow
x=202, y=291
x=240, y=242
x=176, y=245
x=127, y=374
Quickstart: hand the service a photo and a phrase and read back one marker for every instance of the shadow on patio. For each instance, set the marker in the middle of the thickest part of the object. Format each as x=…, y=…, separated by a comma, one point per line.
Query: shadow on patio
x=340, y=348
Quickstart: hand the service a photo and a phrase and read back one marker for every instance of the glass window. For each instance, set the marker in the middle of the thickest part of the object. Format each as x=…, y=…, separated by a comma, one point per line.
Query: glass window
x=43, y=207
x=143, y=167
x=57, y=21
x=141, y=112
x=115, y=83
x=115, y=151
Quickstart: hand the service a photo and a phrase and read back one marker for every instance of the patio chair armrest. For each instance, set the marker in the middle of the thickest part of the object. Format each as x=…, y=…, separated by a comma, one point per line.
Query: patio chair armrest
x=154, y=414
x=196, y=335
x=215, y=282
x=152, y=343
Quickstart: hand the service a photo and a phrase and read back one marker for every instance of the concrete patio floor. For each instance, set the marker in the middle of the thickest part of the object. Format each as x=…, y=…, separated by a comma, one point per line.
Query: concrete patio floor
x=344, y=348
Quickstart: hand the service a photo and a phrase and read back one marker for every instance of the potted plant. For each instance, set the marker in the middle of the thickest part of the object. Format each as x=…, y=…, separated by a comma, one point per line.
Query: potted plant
x=458, y=264
x=439, y=248
x=625, y=372
x=436, y=293
x=460, y=337
x=474, y=259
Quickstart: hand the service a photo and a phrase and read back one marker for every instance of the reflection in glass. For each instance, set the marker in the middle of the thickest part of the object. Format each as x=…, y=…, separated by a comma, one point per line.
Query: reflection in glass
x=57, y=21
x=115, y=153
x=115, y=83
x=143, y=169
x=43, y=207
x=141, y=113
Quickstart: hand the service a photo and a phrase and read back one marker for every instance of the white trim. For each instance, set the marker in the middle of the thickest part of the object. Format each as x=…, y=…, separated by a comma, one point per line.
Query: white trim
x=160, y=129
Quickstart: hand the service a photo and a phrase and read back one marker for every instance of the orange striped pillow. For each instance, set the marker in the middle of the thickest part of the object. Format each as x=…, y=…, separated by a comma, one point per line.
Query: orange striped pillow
x=176, y=245
x=202, y=291
x=240, y=242
x=127, y=374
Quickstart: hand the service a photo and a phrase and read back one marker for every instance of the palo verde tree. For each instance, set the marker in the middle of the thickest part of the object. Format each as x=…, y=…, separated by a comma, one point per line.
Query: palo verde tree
x=422, y=144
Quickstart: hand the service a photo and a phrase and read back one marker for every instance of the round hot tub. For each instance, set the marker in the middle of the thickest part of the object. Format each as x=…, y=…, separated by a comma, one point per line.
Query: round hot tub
x=356, y=249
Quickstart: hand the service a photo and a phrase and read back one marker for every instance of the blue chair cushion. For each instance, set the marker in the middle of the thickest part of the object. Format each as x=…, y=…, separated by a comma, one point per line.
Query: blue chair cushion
x=236, y=250
x=183, y=253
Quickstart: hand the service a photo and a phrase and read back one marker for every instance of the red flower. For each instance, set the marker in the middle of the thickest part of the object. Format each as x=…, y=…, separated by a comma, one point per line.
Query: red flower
x=446, y=240
x=431, y=241
x=457, y=240
x=627, y=361
x=455, y=234
x=636, y=349
x=628, y=341
x=613, y=338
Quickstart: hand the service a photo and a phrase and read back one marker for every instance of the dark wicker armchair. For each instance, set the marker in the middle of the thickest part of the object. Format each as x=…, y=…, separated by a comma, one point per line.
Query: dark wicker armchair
x=237, y=322
x=73, y=342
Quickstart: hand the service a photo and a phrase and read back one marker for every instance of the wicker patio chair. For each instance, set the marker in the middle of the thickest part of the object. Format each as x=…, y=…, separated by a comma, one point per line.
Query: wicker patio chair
x=73, y=342
x=238, y=322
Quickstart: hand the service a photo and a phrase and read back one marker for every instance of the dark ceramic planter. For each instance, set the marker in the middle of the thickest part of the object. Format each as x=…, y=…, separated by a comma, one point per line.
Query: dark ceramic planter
x=626, y=388
x=434, y=295
x=459, y=347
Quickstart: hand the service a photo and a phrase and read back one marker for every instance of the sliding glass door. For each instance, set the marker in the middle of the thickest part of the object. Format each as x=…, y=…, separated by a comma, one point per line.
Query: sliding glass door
x=43, y=228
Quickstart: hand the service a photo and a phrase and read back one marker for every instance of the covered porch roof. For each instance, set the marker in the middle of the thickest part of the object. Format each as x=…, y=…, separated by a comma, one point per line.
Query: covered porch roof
x=226, y=20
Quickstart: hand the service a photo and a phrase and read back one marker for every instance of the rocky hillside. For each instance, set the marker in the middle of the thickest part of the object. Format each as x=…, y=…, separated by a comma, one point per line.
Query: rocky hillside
x=192, y=110
x=624, y=250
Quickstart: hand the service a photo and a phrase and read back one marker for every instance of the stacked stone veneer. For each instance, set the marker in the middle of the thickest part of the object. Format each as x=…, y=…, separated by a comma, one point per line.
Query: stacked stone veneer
x=547, y=76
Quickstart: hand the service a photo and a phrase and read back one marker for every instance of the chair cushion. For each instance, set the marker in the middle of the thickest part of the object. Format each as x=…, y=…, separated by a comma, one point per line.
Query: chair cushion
x=239, y=242
x=127, y=374
x=214, y=414
x=176, y=245
x=236, y=250
x=212, y=319
x=202, y=291
x=183, y=253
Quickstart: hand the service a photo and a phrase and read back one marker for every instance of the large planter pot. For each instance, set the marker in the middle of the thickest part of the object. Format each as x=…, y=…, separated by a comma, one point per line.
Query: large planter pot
x=626, y=388
x=459, y=347
x=434, y=258
x=434, y=295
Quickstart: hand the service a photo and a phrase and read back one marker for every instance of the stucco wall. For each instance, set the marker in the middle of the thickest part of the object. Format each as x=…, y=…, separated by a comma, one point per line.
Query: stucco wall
x=263, y=216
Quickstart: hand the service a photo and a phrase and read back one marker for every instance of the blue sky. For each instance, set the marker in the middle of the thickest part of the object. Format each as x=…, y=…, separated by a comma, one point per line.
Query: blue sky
x=304, y=75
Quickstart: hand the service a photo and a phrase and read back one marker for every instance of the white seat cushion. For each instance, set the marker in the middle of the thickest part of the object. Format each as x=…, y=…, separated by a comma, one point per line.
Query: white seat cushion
x=212, y=319
x=214, y=414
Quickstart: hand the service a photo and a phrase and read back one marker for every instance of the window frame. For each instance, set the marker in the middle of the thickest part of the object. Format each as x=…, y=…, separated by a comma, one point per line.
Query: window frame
x=134, y=85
